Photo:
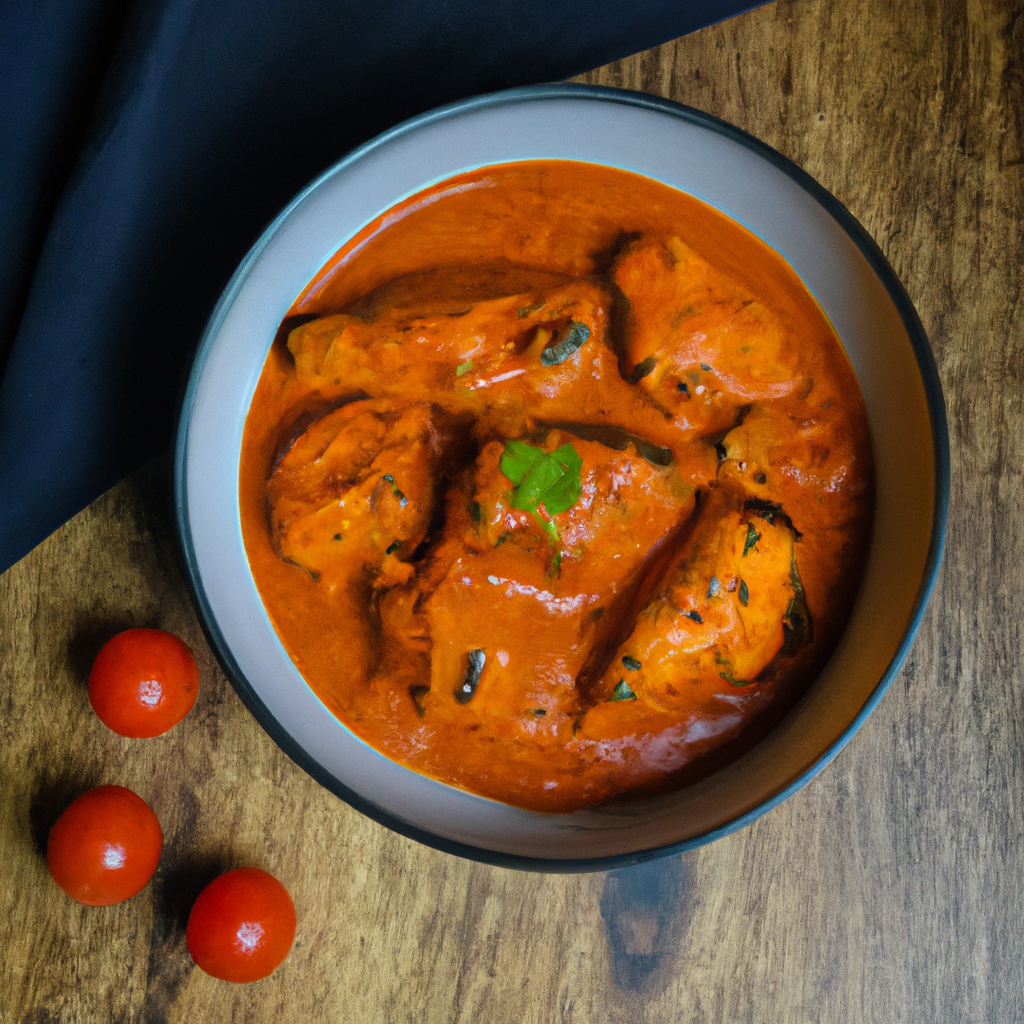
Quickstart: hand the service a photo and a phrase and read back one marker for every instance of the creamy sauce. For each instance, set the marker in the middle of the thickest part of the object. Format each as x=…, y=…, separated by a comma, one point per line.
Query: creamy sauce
x=557, y=485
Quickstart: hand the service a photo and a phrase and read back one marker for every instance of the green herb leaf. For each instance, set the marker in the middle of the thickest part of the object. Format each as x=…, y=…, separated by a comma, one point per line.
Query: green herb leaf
x=395, y=491
x=463, y=368
x=476, y=511
x=474, y=668
x=744, y=593
x=727, y=673
x=696, y=616
x=642, y=369
x=551, y=479
x=337, y=536
x=517, y=459
x=704, y=366
x=681, y=384
x=714, y=587
x=631, y=663
x=525, y=311
x=752, y=538
x=548, y=479
x=561, y=350
x=797, y=628
x=622, y=691
x=392, y=547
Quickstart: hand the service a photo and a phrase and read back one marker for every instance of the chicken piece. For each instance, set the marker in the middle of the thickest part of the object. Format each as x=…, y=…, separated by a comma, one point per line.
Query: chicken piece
x=552, y=585
x=353, y=496
x=807, y=462
x=413, y=352
x=512, y=362
x=732, y=602
x=700, y=345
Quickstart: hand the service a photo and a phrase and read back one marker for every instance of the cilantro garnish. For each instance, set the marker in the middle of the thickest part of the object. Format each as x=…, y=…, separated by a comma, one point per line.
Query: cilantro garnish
x=752, y=538
x=551, y=479
x=548, y=480
x=622, y=691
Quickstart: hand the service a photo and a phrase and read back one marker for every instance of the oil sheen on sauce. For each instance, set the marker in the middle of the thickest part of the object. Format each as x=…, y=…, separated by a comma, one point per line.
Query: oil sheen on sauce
x=556, y=485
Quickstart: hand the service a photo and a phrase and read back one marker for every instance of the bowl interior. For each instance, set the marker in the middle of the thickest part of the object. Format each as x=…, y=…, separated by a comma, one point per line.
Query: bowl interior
x=745, y=180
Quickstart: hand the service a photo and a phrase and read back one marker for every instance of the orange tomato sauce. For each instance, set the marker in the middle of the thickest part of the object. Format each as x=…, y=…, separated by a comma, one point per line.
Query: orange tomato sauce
x=551, y=333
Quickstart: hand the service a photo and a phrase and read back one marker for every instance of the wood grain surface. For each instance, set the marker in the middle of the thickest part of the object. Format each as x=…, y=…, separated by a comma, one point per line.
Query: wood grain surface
x=891, y=889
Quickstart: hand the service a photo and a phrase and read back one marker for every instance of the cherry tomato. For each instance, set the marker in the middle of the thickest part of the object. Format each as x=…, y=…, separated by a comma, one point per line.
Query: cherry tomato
x=241, y=926
x=143, y=682
x=105, y=847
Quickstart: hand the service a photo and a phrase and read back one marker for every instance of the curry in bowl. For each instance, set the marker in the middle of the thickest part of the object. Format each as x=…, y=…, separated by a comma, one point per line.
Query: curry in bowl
x=557, y=485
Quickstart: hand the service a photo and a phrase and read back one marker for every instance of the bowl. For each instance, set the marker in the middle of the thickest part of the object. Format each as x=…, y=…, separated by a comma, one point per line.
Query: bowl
x=840, y=265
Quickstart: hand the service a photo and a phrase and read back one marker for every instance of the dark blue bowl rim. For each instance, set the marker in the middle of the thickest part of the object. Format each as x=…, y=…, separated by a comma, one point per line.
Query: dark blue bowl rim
x=936, y=411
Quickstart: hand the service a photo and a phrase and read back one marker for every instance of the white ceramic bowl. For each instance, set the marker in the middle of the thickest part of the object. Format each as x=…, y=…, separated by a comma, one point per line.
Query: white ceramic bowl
x=756, y=186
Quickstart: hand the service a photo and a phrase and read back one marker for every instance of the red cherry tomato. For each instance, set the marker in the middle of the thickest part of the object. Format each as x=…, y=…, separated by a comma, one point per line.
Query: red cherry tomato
x=105, y=847
x=241, y=926
x=143, y=682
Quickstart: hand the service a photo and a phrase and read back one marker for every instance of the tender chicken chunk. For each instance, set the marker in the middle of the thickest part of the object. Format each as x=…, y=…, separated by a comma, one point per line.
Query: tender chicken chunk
x=513, y=362
x=699, y=344
x=353, y=495
x=511, y=608
x=732, y=602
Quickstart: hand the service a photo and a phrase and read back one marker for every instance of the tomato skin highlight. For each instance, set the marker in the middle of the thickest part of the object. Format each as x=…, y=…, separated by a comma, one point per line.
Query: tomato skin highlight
x=143, y=682
x=105, y=847
x=241, y=926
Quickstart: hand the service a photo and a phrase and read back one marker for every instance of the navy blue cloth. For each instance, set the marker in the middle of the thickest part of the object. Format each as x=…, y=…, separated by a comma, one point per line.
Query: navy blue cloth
x=147, y=143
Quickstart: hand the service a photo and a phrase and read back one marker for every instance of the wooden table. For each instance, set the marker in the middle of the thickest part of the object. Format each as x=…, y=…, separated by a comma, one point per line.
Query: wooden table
x=889, y=889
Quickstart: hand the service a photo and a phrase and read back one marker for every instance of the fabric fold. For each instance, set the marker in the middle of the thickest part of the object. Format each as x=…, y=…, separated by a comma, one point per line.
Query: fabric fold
x=211, y=116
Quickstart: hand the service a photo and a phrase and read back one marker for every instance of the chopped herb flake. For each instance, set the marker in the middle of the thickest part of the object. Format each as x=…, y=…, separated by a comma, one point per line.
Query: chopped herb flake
x=696, y=616
x=622, y=691
x=705, y=367
x=538, y=712
x=561, y=350
x=392, y=547
x=474, y=668
x=527, y=310
x=631, y=663
x=744, y=594
x=682, y=387
x=727, y=673
x=752, y=538
x=714, y=586
x=642, y=369
x=395, y=491
x=463, y=368
x=760, y=478
x=337, y=536
x=476, y=511
x=797, y=627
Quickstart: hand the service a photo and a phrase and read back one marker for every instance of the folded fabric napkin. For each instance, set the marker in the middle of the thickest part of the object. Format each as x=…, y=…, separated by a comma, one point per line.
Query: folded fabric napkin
x=147, y=143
